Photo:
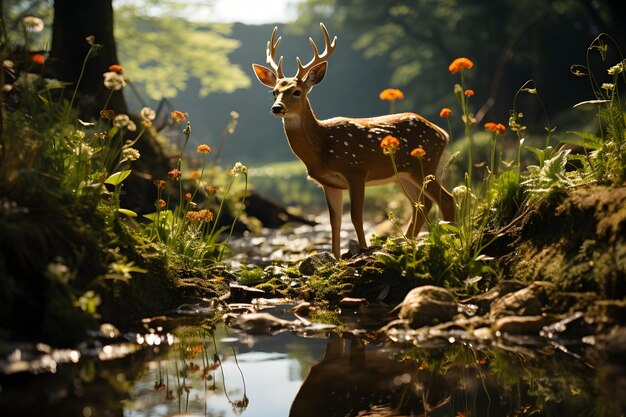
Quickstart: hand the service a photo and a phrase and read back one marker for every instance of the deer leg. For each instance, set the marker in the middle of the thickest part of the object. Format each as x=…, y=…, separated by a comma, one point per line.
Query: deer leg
x=418, y=216
x=357, y=201
x=334, y=200
x=436, y=192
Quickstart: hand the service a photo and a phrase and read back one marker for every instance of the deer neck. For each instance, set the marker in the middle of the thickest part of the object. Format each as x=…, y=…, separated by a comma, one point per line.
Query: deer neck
x=304, y=134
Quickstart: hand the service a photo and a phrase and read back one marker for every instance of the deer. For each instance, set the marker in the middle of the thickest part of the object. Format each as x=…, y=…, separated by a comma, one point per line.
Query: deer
x=344, y=153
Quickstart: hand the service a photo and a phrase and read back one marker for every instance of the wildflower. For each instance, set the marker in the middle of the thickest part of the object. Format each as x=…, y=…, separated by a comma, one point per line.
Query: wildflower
x=617, y=69
x=160, y=184
x=204, y=149
x=59, y=272
x=121, y=120
x=131, y=126
x=178, y=116
x=238, y=169
x=187, y=129
x=130, y=154
x=187, y=196
x=160, y=203
x=445, y=112
x=418, y=153
x=37, y=58
x=116, y=68
x=210, y=189
x=91, y=40
x=107, y=114
x=194, y=175
x=33, y=24
x=460, y=64
x=389, y=144
x=391, y=94
x=469, y=92
x=114, y=81
x=204, y=215
x=147, y=114
x=608, y=87
x=174, y=174
x=498, y=128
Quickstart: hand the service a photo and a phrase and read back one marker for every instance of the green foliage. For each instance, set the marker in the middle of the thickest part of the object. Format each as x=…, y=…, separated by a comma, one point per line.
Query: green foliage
x=199, y=51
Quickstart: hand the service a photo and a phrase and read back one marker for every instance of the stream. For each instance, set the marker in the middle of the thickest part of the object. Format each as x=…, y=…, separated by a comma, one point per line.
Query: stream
x=188, y=364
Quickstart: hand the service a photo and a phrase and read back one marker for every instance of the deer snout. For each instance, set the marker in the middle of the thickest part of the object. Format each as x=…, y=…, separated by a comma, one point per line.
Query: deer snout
x=278, y=108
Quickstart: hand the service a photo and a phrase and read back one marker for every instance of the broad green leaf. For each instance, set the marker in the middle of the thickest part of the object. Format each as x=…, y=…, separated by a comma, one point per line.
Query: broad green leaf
x=118, y=177
x=588, y=140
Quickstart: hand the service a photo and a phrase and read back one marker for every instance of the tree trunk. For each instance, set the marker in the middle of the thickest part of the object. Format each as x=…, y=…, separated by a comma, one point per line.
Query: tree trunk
x=73, y=22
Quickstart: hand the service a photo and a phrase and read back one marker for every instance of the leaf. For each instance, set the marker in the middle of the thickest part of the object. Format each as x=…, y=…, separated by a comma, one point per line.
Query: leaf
x=42, y=98
x=118, y=177
x=587, y=140
x=127, y=212
x=537, y=152
x=588, y=102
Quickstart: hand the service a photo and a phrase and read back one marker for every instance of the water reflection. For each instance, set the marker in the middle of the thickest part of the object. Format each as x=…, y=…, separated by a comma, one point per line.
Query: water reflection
x=224, y=372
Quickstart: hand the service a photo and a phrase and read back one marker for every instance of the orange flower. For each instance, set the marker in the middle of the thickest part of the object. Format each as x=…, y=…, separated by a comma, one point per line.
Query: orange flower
x=445, y=113
x=178, y=116
x=116, y=68
x=174, y=174
x=389, y=144
x=469, y=92
x=391, y=94
x=159, y=183
x=418, y=153
x=107, y=114
x=159, y=204
x=37, y=58
x=188, y=196
x=210, y=189
x=204, y=149
x=498, y=128
x=460, y=64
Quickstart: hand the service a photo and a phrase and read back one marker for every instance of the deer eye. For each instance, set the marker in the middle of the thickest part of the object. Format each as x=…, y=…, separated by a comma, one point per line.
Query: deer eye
x=297, y=93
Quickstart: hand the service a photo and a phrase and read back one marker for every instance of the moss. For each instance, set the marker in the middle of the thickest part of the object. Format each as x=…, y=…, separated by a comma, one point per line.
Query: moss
x=577, y=241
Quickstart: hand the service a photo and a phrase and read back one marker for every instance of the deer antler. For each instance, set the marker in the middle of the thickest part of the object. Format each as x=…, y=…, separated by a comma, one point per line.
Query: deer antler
x=317, y=58
x=271, y=55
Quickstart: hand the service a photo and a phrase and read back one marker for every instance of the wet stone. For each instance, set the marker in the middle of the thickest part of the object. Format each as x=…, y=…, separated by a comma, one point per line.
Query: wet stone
x=428, y=305
x=529, y=301
x=311, y=264
x=527, y=325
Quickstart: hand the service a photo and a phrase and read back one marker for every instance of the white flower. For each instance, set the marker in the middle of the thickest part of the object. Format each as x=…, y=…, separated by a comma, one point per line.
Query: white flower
x=131, y=126
x=59, y=272
x=130, y=154
x=121, y=120
x=114, y=81
x=238, y=169
x=33, y=24
x=147, y=114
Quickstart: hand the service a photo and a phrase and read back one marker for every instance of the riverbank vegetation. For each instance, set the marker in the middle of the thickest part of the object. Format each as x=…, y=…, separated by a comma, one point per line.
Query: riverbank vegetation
x=78, y=248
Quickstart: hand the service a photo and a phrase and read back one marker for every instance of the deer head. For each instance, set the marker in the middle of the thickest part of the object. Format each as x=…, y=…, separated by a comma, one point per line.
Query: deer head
x=290, y=92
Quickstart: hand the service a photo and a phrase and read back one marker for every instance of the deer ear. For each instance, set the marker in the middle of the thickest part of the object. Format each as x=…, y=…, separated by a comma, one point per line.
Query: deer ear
x=316, y=74
x=265, y=75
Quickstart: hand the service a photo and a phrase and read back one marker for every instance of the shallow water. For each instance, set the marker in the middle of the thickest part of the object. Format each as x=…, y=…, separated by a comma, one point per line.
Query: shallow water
x=185, y=367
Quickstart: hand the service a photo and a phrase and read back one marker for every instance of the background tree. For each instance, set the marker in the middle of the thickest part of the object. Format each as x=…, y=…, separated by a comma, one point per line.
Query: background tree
x=510, y=42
